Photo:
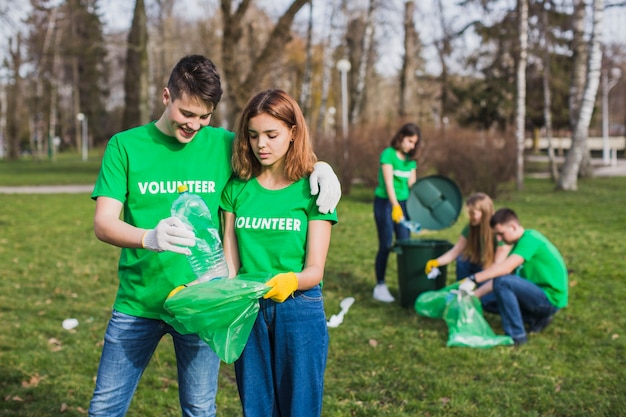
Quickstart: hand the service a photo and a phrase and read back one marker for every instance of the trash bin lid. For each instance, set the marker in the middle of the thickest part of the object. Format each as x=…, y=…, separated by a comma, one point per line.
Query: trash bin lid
x=435, y=202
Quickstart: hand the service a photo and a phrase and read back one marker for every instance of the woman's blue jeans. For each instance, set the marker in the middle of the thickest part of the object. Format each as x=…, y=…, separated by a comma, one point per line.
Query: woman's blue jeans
x=129, y=343
x=386, y=229
x=520, y=301
x=281, y=369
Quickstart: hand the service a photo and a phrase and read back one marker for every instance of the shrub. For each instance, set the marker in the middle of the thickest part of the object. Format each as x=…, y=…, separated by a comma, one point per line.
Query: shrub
x=475, y=161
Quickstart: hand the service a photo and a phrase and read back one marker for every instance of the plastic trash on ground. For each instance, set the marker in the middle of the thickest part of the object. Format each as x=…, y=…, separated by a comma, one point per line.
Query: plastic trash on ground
x=220, y=311
x=464, y=316
x=336, y=319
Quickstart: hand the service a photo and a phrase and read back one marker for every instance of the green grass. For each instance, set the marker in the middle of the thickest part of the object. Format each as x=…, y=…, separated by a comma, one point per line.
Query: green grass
x=68, y=168
x=384, y=360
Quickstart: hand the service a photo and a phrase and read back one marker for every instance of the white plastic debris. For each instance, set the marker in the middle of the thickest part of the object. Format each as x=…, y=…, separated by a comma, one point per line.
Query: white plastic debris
x=336, y=319
x=69, y=324
x=434, y=273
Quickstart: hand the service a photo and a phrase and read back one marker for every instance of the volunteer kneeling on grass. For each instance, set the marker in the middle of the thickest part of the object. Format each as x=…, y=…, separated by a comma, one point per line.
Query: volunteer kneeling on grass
x=530, y=285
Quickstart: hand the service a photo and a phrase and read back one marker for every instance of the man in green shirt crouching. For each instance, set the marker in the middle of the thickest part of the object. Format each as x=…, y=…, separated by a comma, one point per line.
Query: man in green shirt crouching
x=530, y=285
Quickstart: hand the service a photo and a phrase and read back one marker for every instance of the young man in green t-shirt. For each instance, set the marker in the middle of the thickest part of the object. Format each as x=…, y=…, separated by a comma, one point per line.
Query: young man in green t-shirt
x=531, y=284
x=137, y=184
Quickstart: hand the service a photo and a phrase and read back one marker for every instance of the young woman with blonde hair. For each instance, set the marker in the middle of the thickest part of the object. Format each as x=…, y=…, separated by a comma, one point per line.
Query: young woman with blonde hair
x=477, y=247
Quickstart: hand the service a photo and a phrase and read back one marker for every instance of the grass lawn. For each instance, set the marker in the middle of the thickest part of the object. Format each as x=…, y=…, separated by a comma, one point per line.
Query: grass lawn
x=384, y=360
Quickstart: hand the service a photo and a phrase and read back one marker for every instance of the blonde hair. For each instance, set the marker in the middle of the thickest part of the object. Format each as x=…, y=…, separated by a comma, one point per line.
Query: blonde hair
x=480, y=248
x=300, y=157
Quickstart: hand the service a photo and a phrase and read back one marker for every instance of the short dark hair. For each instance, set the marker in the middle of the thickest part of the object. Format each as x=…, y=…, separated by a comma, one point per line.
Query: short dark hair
x=408, y=129
x=503, y=215
x=196, y=76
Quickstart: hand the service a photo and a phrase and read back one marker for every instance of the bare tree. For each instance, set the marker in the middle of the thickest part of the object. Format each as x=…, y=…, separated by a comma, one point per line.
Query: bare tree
x=579, y=58
x=14, y=98
x=409, y=66
x=136, y=100
x=444, y=49
x=571, y=168
x=240, y=81
x=359, y=90
x=305, y=92
x=328, y=65
x=520, y=111
x=547, y=97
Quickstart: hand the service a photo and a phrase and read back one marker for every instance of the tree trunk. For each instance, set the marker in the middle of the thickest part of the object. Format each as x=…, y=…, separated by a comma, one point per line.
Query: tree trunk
x=547, y=97
x=578, y=151
x=579, y=59
x=136, y=100
x=520, y=112
x=240, y=87
x=14, y=100
x=359, y=91
x=328, y=64
x=407, y=73
x=443, y=50
x=305, y=93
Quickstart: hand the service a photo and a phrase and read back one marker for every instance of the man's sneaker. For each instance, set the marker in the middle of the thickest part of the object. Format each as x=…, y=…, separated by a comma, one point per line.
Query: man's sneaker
x=382, y=294
x=541, y=324
x=519, y=341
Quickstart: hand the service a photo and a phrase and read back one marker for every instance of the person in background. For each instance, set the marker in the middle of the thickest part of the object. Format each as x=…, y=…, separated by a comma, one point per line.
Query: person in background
x=476, y=248
x=136, y=186
x=530, y=285
x=397, y=172
x=271, y=224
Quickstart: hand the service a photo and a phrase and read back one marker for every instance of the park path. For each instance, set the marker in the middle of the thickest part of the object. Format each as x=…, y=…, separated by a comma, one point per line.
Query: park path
x=47, y=189
x=618, y=169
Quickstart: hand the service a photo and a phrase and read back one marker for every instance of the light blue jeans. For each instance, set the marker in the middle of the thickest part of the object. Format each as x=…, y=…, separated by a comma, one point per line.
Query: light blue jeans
x=520, y=301
x=281, y=369
x=129, y=343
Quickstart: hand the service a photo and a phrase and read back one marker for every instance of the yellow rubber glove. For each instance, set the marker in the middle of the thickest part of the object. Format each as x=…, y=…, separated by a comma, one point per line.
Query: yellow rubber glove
x=433, y=263
x=175, y=290
x=283, y=285
x=396, y=213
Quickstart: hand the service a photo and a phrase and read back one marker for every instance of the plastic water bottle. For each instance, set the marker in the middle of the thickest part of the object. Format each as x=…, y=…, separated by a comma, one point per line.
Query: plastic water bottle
x=207, y=256
x=413, y=226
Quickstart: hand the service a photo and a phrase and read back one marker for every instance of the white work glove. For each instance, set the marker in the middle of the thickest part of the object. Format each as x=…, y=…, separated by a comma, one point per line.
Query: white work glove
x=171, y=234
x=434, y=273
x=468, y=285
x=324, y=181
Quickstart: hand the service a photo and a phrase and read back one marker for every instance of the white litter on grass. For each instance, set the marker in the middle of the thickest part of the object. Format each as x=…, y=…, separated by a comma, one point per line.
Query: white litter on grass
x=69, y=324
x=336, y=319
x=434, y=273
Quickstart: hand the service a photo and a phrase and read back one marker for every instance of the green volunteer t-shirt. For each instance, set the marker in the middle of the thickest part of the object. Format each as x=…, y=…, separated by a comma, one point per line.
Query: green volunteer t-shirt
x=142, y=168
x=543, y=265
x=401, y=173
x=271, y=225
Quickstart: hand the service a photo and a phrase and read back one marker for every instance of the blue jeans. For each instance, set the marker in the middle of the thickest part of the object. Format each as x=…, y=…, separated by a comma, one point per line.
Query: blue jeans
x=281, y=369
x=465, y=268
x=520, y=301
x=386, y=228
x=129, y=343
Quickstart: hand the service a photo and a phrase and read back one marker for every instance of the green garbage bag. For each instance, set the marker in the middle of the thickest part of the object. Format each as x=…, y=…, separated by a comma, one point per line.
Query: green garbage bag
x=467, y=325
x=220, y=311
x=433, y=303
x=464, y=316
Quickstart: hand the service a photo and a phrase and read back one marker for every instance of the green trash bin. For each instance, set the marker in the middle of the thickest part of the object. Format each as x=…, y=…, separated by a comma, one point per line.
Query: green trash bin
x=412, y=255
x=435, y=202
